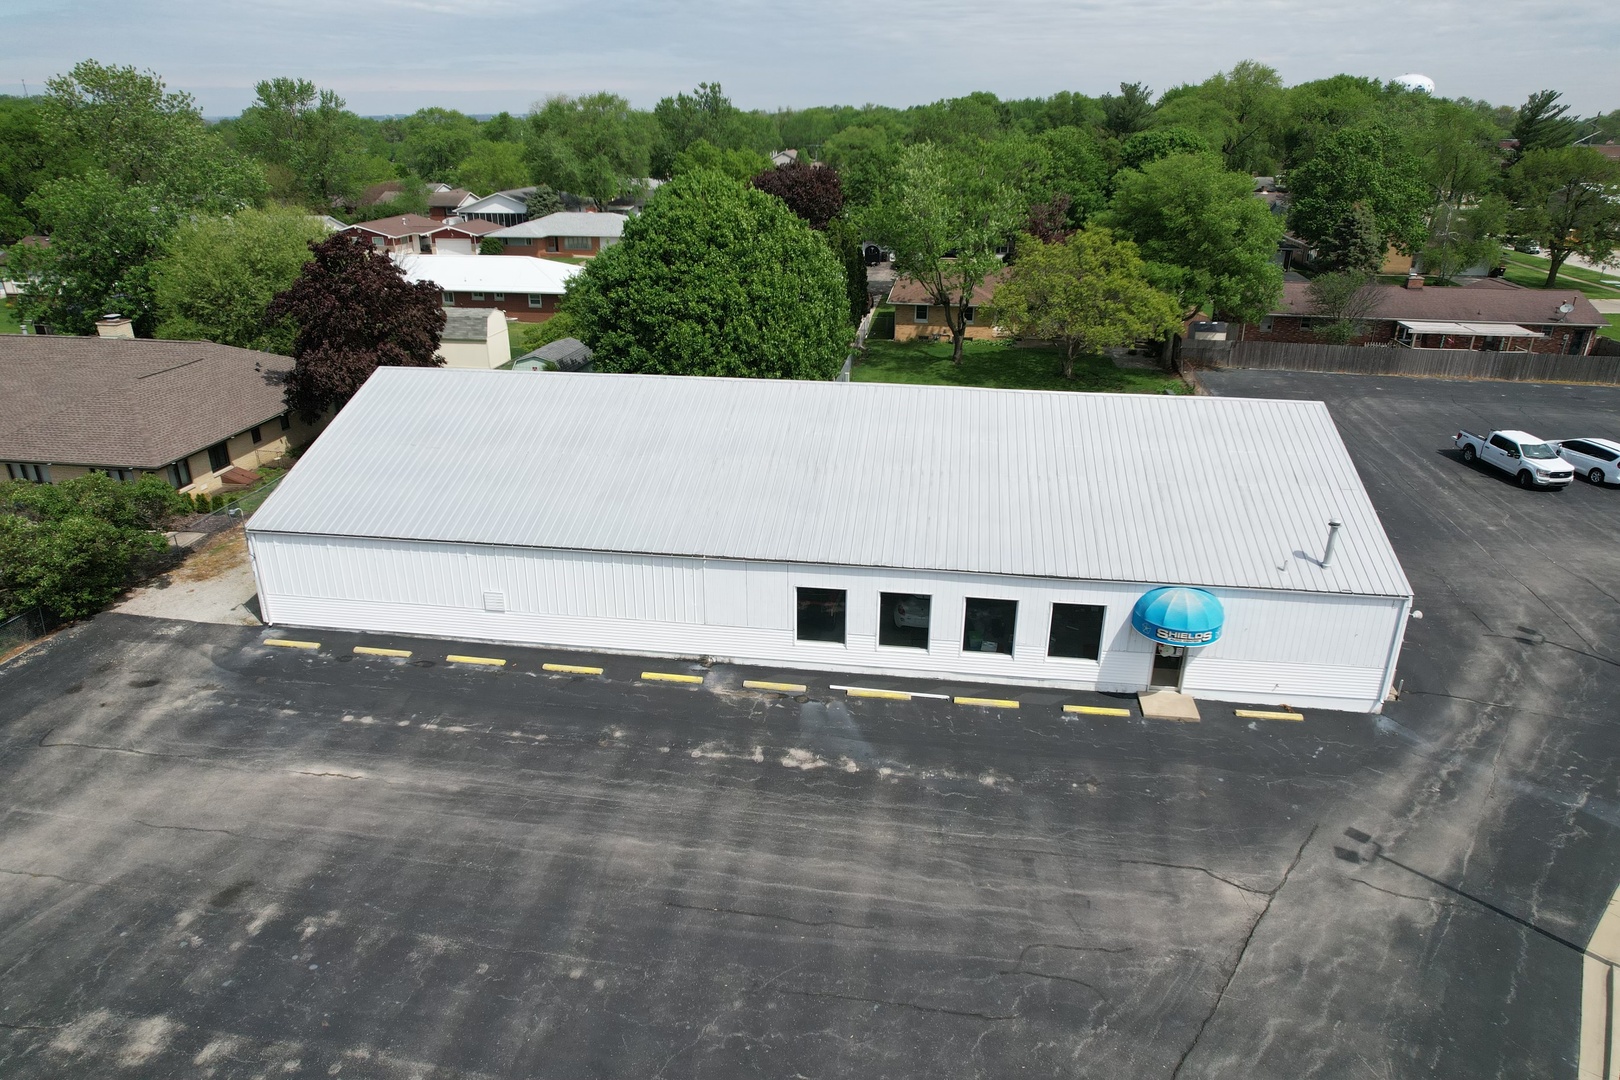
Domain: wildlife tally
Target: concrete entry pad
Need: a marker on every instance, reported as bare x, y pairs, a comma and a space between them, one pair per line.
1168, 705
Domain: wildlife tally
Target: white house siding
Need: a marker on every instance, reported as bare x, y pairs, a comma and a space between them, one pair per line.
1302, 649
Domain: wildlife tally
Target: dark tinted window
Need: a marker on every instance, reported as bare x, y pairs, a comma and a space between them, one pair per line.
219, 457
821, 615
1076, 631
1604, 455
1577, 446
903, 620
1501, 443
987, 625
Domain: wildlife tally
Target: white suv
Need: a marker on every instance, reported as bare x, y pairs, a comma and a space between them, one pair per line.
1596, 459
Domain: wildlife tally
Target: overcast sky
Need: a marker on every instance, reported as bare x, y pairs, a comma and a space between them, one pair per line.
394, 56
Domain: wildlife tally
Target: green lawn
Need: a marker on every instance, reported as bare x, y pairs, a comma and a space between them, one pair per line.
8, 318
1614, 328
1002, 366
1531, 271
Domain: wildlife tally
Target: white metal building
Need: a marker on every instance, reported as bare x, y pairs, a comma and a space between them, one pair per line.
987, 535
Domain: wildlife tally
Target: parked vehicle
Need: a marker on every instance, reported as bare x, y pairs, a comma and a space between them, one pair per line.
1596, 459
1531, 461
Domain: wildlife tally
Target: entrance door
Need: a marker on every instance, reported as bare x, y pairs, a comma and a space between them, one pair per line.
1167, 663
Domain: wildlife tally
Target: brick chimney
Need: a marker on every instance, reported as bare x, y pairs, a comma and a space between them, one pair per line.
115, 325
1414, 281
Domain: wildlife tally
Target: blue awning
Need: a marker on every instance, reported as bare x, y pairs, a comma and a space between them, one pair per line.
1177, 615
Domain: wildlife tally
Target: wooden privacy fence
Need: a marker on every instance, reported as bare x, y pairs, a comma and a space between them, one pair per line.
1434, 363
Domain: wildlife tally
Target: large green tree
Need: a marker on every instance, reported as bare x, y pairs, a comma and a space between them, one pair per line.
1087, 293
1367, 167
714, 278
707, 114
1568, 199
1241, 113
946, 215
1207, 240
306, 139
596, 146
218, 275
492, 166
1542, 124
434, 141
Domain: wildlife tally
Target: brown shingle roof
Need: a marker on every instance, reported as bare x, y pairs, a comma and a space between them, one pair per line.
1526, 307
471, 227
399, 225
910, 291
448, 199
128, 404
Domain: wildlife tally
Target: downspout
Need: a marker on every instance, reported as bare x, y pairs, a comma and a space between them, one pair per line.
1394, 653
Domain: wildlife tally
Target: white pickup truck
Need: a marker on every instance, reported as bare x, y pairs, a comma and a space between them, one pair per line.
1531, 461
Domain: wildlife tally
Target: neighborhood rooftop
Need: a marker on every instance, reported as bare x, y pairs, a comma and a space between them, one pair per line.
1205, 490
128, 403
566, 224
489, 274
1486, 302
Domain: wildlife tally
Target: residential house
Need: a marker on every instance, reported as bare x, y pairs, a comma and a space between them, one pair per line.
396, 235
564, 354
446, 202
200, 415
475, 338
917, 317
1489, 315
461, 237
525, 289
503, 208
583, 234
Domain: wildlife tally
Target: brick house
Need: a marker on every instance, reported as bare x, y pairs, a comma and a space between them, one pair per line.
200, 415
461, 237
916, 316
1489, 315
578, 234
399, 234
527, 290
445, 202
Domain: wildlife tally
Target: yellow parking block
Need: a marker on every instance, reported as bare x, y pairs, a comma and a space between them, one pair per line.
487, 661
1254, 714
285, 644
368, 650
784, 687
890, 695
1096, 710
664, 676
572, 669
988, 702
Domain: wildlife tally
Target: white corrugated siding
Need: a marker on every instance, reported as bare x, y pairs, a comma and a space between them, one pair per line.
1297, 648
1216, 492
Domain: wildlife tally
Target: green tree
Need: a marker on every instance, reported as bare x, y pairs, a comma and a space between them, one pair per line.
29, 157
1207, 240
703, 155
218, 275
1149, 146
1542, 124
1073, 165
1240, 112
104, 236
492, 166
502, 127
1127, 112
70, 547
865, 158
305, 138
1356, 244
705, 114
595, 146
434, 141
1345, 299
1462, 237
1087, 293
714, 278
945, 217
1567, 199
1364, 166
1318, 109
127, 124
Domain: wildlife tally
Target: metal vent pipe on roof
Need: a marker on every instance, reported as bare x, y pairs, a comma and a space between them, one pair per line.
1333, 538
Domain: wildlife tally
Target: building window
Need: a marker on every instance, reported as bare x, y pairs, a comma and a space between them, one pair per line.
219, 457
1076, 631
1306, 325
1267, 323
123, 476
516, 241
969, 312
449, 299
379, 242
987, 625
286, 421
551, 243
919, 313
821, 615
499, 295
179, 473
39, 474
537, 301
903, 620
576, 243
477, 296
424, 244
256, 435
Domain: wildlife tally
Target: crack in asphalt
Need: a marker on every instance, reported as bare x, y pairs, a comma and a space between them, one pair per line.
1242, 950
1201, 870
1405, 896
766, 915
53, 877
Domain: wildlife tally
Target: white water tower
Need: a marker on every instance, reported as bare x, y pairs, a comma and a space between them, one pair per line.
1415, 82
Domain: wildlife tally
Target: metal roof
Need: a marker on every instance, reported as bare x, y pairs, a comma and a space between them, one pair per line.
566, 224
1112, 487
513, 274
1471, 329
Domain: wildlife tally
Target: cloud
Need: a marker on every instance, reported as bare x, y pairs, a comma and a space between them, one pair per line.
485, 55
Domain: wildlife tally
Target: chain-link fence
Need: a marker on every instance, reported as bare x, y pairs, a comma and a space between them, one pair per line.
19, 630
241, 506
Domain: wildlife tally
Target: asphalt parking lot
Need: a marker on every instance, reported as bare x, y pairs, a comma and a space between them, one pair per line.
223, 858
